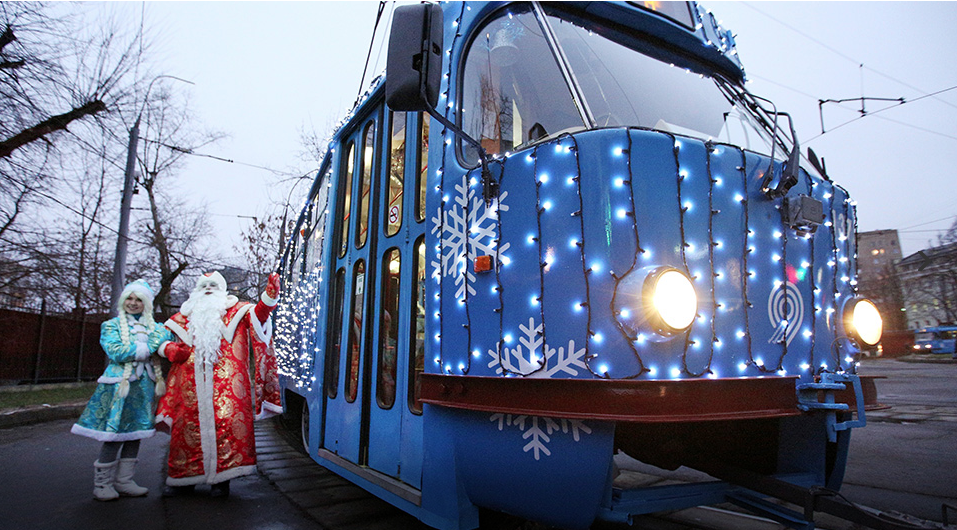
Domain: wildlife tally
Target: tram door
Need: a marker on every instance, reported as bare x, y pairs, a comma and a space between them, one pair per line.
366, 378
347, 346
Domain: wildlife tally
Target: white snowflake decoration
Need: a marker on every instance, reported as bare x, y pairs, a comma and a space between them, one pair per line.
465, 236
525, 359
538, 430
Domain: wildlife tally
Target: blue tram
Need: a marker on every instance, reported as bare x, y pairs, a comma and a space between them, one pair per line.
554, 232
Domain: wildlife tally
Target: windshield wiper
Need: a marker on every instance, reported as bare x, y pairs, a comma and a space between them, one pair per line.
769, 121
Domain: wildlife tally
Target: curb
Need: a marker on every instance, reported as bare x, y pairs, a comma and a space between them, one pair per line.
939, 358
40, 414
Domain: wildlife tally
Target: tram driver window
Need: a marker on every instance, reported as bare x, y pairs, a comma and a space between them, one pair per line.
514, 93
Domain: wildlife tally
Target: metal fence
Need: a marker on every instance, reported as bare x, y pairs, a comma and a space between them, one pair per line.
40, 346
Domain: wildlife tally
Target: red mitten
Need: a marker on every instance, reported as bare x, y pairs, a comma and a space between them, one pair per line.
177, 352
272, 286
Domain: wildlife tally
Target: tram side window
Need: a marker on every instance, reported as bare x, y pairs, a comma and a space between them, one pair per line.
345, 199
393, 212
368, 159
320, 210
388, 329
291, 259
297, 261
335, 335
296, 269
355, 332
423, 166
417, 351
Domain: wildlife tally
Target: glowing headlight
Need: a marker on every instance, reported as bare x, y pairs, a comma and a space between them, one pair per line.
863, 321
670, 299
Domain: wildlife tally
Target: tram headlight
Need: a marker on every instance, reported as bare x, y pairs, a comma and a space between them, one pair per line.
670, 300
863, 321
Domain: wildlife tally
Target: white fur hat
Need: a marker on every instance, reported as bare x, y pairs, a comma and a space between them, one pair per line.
215, 276
142, 290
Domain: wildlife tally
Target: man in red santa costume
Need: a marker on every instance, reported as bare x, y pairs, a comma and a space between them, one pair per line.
211, 400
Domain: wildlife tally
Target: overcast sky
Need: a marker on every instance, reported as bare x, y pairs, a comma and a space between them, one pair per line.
264, 72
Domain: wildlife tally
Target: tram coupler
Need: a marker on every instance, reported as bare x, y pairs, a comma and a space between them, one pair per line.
810, 399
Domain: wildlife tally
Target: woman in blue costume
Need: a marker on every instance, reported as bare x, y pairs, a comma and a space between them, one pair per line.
120, 413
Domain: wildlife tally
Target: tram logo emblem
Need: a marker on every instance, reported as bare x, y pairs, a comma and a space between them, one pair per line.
786, 313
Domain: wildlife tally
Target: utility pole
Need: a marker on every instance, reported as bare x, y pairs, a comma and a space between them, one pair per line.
122, 237
119, 265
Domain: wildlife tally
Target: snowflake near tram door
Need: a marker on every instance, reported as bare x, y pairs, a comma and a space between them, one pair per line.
525, 358
539, 430
466, 229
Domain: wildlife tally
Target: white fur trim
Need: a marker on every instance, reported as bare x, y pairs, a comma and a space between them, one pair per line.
269, 410
103, 436
109, 380
215, 478
161, 351
271, 302
215, 276
206, 414
142, 351
179, 331
263, 330
165, 420
230, 330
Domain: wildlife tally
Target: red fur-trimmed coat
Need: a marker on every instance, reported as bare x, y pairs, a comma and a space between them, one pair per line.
209, 412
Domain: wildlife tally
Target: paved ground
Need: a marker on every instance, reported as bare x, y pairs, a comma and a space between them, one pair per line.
294, 493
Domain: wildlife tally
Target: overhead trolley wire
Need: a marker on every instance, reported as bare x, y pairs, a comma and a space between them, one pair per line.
845, 56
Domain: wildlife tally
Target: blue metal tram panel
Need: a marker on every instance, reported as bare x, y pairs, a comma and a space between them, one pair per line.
728, 230
563, 287
548, 469
654, 182
520, 273
693, 192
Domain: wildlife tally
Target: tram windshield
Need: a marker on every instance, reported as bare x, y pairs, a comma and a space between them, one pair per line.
516, 93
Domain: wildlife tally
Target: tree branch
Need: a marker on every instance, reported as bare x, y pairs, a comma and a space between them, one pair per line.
7, 37
50, 125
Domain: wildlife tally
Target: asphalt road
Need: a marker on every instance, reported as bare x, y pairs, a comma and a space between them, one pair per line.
905, 460
47, 483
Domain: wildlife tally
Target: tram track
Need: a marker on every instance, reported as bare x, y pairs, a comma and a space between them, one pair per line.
337, 504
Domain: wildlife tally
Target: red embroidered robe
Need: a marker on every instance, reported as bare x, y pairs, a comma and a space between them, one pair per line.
209, 412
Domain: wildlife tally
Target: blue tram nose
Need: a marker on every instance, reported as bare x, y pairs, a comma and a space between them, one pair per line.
580, 222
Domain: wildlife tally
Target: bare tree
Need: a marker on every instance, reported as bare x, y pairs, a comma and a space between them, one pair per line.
55, 69
176, 231
64, 81
259, 250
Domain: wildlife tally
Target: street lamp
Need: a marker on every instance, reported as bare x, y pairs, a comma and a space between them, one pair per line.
122, 238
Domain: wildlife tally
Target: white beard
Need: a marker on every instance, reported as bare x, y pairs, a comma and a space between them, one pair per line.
205, 312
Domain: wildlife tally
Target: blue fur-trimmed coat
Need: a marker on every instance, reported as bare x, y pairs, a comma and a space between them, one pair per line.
123, 404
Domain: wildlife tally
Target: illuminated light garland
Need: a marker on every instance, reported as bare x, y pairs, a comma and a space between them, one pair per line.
439, 189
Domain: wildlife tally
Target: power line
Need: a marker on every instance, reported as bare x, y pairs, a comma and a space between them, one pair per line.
888, 119
188, 151
86, 216
928, 222
843, 55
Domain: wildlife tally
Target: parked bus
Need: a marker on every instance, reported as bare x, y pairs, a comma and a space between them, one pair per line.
559, 231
